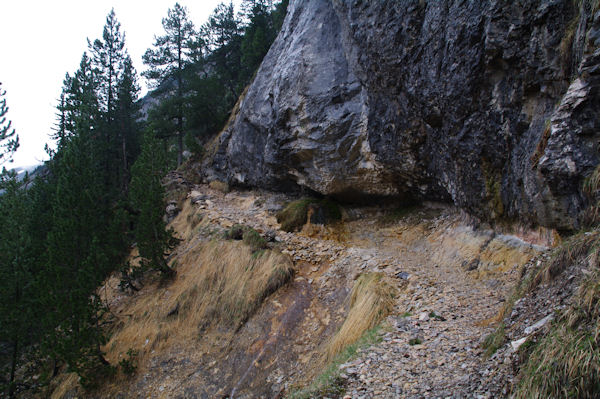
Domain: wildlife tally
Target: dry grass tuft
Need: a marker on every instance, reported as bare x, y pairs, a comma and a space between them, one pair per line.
68, 384
371, 300
186, 221
495, 340
294, 215
566, 363
569, 252
217, 283
219, 186
591, 187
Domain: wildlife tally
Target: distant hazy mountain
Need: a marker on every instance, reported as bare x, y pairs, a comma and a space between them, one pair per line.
31, 169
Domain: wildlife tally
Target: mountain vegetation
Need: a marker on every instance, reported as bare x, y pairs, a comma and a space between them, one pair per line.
64, 232
9, 142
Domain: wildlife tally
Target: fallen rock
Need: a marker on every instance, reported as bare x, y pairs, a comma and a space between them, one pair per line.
517, 344
539, 324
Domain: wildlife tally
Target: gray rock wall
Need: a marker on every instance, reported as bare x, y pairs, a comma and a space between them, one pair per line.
493, 105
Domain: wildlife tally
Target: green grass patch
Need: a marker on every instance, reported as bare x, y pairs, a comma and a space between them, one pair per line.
564, 364
435, 316
254, 240
495, 340
236, 232
329, 382
248, 235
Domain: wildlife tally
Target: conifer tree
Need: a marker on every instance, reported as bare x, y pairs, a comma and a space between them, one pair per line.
16, 269
81, 250
168, 59
126, 120
77, 262
147, 196
223, 32
263, 22
109, 56
9, 141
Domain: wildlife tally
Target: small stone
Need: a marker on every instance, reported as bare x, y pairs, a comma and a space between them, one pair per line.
403, 275
423, 316
539, 324
517, 344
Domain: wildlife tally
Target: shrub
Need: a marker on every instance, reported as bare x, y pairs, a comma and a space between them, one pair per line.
254, 240
129, 364
236, 232
296, 213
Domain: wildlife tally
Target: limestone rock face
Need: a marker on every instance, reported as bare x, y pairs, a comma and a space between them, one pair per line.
493, 105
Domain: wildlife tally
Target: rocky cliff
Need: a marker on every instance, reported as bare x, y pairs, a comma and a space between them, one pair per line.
492, 105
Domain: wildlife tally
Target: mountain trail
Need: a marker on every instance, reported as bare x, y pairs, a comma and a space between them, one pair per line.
452, 281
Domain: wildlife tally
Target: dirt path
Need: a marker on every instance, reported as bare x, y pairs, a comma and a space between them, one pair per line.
452, 280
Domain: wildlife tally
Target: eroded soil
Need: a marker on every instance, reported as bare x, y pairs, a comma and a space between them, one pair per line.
451, 279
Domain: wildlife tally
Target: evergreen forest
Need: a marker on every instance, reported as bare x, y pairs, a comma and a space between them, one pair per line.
73, 224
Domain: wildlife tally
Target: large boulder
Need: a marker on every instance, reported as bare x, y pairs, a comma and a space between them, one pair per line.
492, 105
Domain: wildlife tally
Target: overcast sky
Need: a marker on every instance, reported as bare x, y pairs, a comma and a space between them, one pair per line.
42, 40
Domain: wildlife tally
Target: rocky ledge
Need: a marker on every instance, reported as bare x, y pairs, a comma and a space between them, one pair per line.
491, 105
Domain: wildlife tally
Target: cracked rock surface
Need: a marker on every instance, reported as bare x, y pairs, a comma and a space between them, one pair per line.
491, 105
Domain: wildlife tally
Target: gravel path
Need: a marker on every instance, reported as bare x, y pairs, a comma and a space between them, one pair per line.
433, 345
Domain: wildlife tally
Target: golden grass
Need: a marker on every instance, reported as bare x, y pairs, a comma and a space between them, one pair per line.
591, 188
186, 221
563, 256
217, 283
337, 231
591, 185
219, 186
68, 382
297, 213
569, 252
566, 362
371, 300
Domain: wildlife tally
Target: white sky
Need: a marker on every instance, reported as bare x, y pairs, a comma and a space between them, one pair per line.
42, 40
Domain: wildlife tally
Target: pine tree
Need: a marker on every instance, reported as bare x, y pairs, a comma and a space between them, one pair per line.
16, 269
263, 21
77, 262
109, 56
147, 196
126, 120
171, 54
82, 248
9, 141
223, 33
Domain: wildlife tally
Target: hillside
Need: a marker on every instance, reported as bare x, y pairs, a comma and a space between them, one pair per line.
216, 332
404, 202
